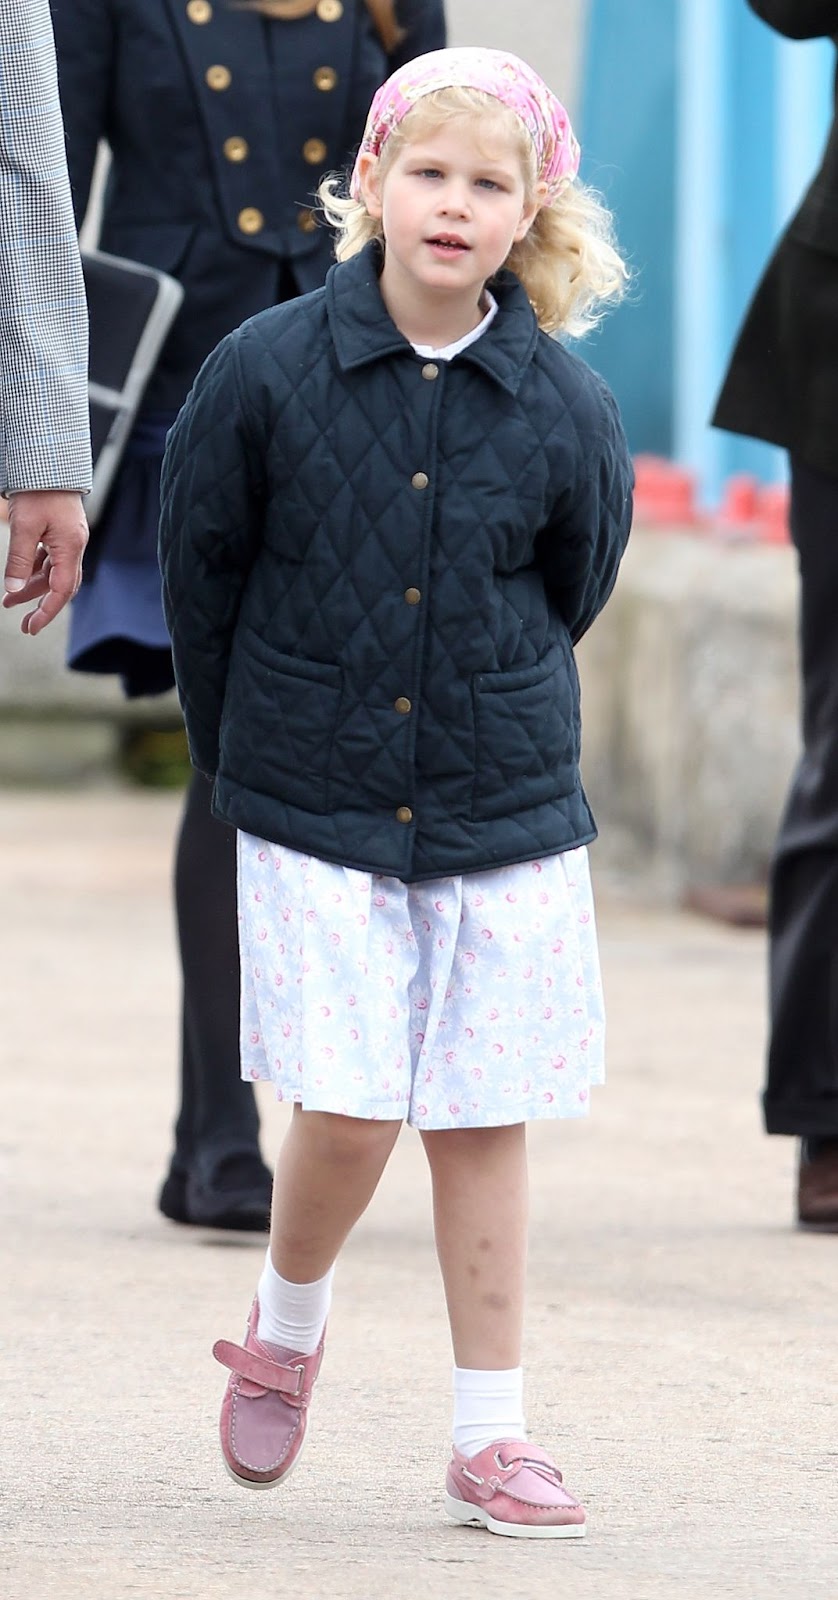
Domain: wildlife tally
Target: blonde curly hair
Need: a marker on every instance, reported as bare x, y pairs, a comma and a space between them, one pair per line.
568, 262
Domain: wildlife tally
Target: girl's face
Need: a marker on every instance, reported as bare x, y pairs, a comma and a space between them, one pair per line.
451, 205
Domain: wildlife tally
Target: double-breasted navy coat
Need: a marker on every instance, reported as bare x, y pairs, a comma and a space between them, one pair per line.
220, 124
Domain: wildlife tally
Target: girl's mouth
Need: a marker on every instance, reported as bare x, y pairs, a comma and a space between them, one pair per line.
449, 242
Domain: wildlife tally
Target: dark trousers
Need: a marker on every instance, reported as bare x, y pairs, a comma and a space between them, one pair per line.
801, 1093
218, 1115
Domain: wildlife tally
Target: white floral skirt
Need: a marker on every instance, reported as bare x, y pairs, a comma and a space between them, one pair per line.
472, 1001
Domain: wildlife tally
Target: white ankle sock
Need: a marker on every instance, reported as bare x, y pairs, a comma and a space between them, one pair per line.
292, 1314
487, 1406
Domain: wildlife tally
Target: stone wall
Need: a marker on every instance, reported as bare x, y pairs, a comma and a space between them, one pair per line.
690, 706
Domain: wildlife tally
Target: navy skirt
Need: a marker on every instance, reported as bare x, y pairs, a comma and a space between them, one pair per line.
116, 619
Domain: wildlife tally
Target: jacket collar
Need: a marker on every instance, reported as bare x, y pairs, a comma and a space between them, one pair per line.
363, 331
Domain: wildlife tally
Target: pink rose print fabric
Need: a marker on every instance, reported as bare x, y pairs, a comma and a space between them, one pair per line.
462, 1002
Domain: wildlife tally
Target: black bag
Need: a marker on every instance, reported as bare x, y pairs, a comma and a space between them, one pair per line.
131, 309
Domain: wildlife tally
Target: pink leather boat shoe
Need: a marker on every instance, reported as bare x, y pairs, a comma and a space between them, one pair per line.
265, 1408
513, 1488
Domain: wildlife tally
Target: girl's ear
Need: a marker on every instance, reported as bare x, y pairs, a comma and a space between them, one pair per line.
369, 178
530, 212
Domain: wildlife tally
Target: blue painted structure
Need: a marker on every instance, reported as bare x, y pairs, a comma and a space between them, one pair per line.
701, 127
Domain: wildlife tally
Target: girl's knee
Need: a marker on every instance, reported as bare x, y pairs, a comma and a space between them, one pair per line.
471, 1144
348, 1140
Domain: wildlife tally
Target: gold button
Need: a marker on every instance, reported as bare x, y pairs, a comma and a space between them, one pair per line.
404, 814
250, 220
420, 480
219, 77
413, 596
329, 10
199, 11
402, 705
325, 79
430, 370
306, 221
236, 149
314, 151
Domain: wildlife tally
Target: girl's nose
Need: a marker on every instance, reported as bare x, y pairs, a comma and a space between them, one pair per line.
455, 201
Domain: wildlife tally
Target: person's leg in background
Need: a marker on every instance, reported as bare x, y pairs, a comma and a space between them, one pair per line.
801, 1093
217, 1176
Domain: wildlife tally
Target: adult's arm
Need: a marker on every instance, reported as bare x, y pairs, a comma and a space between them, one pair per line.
799, 19
44, 428
423, 24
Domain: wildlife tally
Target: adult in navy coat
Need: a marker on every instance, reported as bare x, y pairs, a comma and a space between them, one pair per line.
782, 385
221, 117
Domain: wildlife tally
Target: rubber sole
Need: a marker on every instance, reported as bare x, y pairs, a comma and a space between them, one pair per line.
273, 1483
475, 1517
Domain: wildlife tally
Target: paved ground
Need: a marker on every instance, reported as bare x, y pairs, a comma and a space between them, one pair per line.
681, 1339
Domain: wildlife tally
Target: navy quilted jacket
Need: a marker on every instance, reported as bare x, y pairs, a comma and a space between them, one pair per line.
375, 567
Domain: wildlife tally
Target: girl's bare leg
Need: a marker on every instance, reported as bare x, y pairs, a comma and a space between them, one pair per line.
327, 1173
480, 1191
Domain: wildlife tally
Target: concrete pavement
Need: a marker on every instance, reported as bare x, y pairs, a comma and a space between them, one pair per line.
681, 1340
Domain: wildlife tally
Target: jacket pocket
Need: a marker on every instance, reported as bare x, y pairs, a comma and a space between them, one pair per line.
163, 245
526, 735
279, 722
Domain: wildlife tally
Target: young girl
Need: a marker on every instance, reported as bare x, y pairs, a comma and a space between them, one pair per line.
390, 508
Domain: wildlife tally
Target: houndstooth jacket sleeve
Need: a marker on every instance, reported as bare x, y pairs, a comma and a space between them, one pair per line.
44, 430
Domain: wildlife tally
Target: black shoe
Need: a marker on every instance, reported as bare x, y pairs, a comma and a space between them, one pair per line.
817, 1185
237, 1196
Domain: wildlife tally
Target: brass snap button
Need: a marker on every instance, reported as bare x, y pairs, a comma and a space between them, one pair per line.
236, 149
199, 11
250, 220
402, 705
219, 77
329, 10
325, 79
413, 596
430, 371
404, 814
420, 480
306, 221
314, 151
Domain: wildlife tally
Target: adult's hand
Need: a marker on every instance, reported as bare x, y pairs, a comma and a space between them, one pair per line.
47, 536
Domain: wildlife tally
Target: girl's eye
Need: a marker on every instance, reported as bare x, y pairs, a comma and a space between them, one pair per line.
428, 172
487, 183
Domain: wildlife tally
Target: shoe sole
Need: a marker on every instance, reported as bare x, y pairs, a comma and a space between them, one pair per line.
474, 1517
272, 1483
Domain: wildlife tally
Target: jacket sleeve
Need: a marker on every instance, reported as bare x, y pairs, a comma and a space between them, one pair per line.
84, 46
212, 498
423, 22
580, 549
45, 442
799, 19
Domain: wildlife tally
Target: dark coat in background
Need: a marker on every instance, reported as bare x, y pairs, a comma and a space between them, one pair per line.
374, 570
220, 124
782, 386
782, 381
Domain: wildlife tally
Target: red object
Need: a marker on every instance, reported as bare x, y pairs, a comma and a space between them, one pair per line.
664, 493
774, 514
665, 497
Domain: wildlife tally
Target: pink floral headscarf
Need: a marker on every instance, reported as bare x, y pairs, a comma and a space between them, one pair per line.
506, 78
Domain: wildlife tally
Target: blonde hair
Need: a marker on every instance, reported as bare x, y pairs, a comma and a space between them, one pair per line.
567, 262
